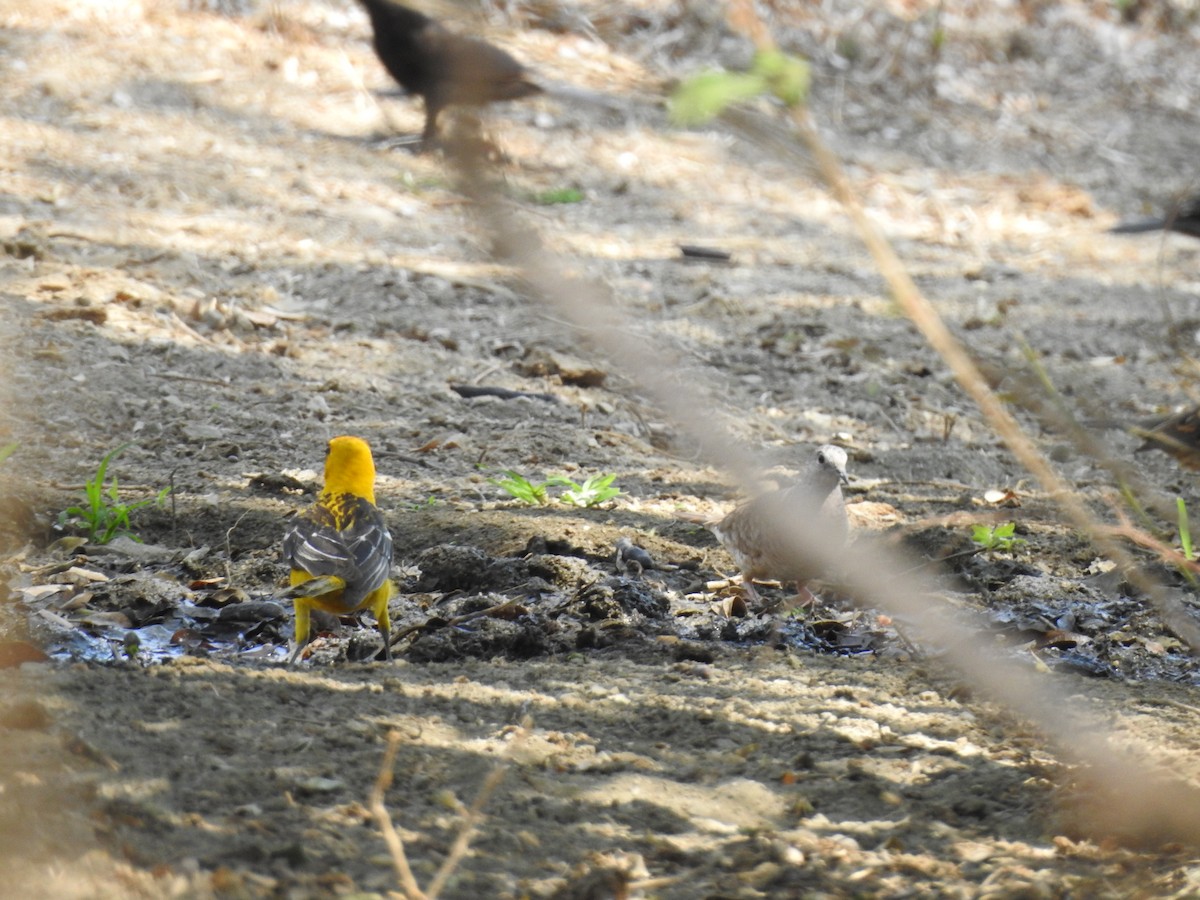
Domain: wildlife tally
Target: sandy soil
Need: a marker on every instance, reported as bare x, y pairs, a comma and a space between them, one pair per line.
206, 251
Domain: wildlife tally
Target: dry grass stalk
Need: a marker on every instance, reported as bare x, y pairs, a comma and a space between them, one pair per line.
391, 837
1142, 538
472, 817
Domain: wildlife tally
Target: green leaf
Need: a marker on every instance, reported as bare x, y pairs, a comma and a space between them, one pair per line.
1185, 531
704, 96
105, 517
999, 537
787, 77
521, 488
595, 490
558, 196
8, 450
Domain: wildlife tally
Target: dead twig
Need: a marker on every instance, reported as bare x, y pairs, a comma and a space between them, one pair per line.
408, 883
469, 391
192, 379
228, 533
435, 622
1140, 538
472, 817
932, 563
1167, 701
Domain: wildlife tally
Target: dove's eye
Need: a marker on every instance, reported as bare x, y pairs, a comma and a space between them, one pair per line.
821, 459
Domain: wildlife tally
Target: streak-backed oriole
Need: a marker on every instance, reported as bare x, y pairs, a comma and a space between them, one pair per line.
341, 545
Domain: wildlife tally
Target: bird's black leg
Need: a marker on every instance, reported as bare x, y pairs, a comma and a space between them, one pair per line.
429, 135
386, 633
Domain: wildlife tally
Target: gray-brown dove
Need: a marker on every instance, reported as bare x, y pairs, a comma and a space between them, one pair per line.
767, 536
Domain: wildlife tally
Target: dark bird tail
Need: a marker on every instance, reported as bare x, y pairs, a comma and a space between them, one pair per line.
1139, 227
1182, 217
582, 96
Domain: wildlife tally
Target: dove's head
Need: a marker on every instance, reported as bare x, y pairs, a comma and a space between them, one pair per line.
830, 466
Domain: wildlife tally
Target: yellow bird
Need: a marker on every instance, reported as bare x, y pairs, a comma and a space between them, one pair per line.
340, 549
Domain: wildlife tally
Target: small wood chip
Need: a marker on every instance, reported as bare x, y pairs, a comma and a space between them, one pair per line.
97, 315
468, 391
712, 254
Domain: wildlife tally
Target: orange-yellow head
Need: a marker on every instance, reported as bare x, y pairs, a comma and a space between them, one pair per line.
349, 468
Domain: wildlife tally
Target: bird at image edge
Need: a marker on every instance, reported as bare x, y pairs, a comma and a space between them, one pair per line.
339, 550
445, 68
1183, 218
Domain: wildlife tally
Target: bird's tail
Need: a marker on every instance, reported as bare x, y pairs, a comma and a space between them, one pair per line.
1138, 227
580, 95
315, 587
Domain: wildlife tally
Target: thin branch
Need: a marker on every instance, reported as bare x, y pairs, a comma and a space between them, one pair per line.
435, 622
228, 534
474, 816
408, 884
1168, 555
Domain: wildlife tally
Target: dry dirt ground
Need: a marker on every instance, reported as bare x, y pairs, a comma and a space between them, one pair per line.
207, 251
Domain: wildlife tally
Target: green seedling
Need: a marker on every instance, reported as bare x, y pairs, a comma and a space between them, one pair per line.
559, 196
1185, 530
8, 450
937, 40
996, 537
104, 516
522, 488
595, 490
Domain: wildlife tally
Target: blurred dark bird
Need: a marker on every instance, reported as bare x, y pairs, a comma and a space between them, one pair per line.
1184, 218
444, 68
1178, 435
757, 536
